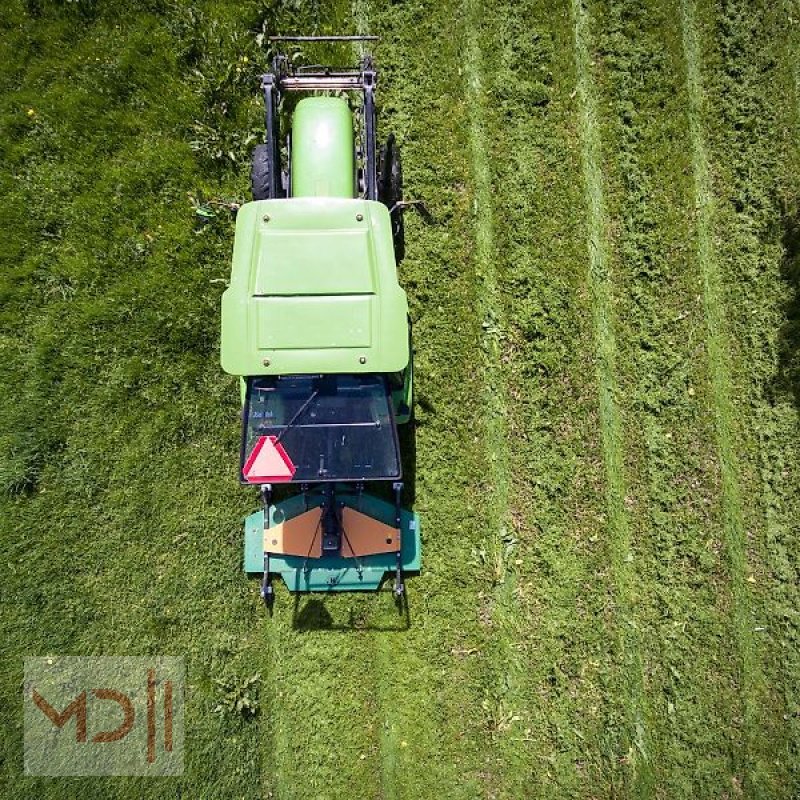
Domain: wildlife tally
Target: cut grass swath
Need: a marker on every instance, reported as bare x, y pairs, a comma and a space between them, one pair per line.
600, 287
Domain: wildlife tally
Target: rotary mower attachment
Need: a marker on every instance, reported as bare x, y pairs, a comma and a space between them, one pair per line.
336, 538
316, 325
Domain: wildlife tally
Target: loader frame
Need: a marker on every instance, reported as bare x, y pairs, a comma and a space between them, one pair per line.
288, 77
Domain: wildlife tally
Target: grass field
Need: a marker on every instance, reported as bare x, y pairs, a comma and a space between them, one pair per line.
607, 328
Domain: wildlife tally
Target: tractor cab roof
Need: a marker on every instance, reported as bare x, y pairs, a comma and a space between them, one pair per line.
314, 290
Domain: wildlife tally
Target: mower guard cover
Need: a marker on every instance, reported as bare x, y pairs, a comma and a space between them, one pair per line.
304, 573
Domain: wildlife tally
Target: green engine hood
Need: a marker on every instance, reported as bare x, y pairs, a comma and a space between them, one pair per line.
314, 290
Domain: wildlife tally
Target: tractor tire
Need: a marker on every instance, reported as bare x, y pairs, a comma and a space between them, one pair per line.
259, 173
390, 191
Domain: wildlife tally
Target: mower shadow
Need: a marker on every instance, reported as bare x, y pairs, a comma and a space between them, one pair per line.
314, 616
407, 434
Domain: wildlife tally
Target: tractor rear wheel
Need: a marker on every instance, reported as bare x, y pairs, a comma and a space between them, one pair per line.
390, 192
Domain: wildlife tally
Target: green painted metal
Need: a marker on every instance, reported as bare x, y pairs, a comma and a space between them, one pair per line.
314, 290
323, 150
403, 396
332, 574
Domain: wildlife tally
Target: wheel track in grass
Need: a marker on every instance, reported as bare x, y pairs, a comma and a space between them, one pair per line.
506, 688
600, 287
490, 313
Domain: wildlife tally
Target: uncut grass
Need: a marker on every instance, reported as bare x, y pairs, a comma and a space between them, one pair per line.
754, 155
680, 581
120, 526
155, 499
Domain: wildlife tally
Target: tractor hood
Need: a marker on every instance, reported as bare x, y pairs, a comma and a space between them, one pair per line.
314, 290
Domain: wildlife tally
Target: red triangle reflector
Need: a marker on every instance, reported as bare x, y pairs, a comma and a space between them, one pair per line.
268, 462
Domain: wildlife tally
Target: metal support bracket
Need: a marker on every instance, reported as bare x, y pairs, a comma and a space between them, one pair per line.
418, 206
267, 590
399, 586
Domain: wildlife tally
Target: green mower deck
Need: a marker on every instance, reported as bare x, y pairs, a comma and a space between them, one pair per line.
332, 574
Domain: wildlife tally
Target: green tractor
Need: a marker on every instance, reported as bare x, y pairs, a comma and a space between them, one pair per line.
316, 325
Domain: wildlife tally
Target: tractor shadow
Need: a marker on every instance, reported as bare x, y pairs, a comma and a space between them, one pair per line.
788, 377
407, 434
313, 615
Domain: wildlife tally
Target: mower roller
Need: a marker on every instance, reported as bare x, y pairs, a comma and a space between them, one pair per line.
316, 325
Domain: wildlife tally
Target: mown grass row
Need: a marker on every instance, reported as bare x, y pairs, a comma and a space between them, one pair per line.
554, 596
669, 401
754, 152
420, 732
665, 397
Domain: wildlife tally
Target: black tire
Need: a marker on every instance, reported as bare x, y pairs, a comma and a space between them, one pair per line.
259, 173
390, 191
